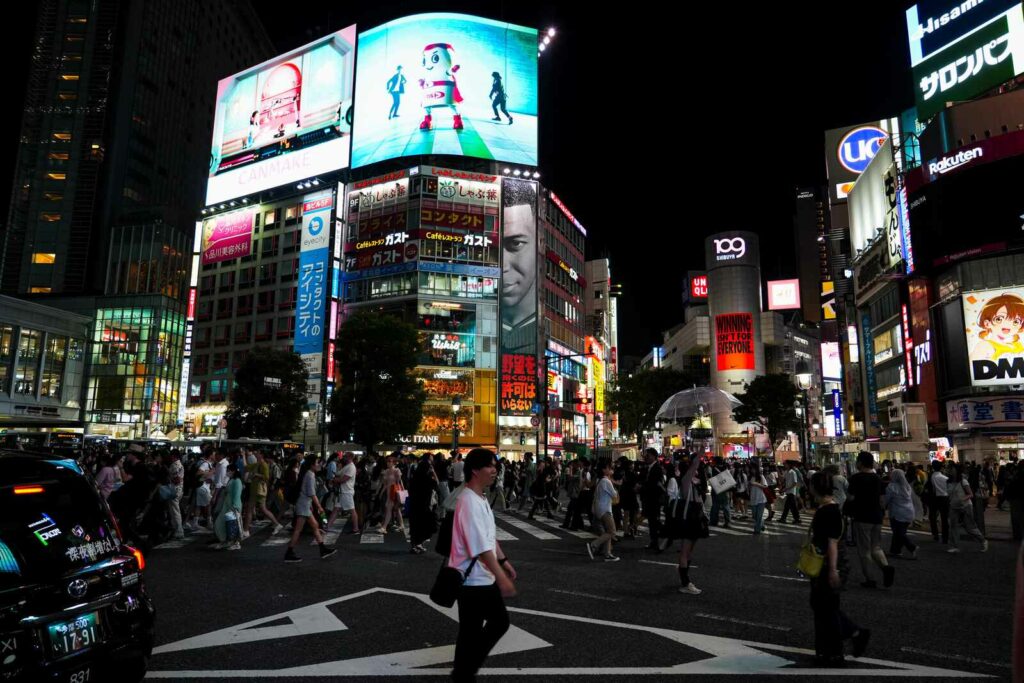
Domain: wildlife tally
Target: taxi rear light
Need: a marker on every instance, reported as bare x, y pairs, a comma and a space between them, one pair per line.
137, 554
24, 490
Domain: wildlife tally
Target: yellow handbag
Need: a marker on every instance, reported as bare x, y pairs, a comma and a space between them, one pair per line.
811, 561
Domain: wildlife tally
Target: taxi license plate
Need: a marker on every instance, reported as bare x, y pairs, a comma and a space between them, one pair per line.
82, 632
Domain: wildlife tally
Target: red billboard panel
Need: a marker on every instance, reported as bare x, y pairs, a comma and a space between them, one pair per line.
734, 341
518, 383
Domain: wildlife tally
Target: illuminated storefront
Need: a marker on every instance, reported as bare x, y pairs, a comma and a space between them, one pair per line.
135, 364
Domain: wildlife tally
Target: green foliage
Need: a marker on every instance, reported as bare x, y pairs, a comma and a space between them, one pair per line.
377, 399
265, 410
636, 398
769, 401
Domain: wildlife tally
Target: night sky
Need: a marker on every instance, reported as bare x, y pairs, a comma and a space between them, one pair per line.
659, 128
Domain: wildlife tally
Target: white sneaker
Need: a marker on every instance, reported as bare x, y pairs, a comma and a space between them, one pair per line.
245, 535
953, 550
235, 546
610, 558
984, 545
277, 529
690, 589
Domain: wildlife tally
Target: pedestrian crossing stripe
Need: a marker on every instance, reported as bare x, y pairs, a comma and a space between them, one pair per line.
503, 535
536, 532
555, 525
330, 538
369, 537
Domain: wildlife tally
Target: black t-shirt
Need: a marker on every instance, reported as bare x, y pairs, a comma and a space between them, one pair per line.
827, 524
866, 490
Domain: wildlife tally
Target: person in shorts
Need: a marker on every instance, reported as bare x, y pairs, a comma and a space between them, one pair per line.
259, 481
345, 500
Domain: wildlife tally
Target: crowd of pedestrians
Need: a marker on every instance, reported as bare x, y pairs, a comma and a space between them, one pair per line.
163, 495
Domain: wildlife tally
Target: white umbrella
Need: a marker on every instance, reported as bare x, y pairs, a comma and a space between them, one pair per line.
687, 403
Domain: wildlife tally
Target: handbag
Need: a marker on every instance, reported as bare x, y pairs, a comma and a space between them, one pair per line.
402, 495
722, 482
448, 584
811, 561
168, 492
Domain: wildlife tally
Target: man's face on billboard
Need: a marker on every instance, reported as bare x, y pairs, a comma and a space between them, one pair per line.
519, 262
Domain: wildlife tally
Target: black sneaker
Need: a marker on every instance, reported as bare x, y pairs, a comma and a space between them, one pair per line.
290, 556
326, 552
860, 641
888, 576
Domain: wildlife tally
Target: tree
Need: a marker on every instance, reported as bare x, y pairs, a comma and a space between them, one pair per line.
769, 402
269, 395
636, 398
377, 398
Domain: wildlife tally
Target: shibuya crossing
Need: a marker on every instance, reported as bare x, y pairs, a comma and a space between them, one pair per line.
390, 340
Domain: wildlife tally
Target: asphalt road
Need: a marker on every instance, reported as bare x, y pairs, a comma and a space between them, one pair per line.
363, 613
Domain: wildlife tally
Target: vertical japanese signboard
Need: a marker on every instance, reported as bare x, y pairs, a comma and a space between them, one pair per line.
518, 383
311, 299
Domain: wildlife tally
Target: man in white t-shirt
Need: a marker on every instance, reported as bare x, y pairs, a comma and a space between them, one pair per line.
220, 478
475, 552
458, 471
938, 504
345, 501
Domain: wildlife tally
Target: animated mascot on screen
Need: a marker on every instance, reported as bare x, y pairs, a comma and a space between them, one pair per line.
438, 84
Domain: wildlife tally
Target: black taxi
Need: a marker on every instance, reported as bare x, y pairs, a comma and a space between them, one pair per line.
73, 604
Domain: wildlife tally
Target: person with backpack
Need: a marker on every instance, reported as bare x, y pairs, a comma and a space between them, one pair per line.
302, 494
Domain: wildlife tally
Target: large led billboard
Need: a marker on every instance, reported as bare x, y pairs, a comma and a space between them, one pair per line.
848, 151
783, 295
446, 84
518, 299
976, 61
734, 340
284, 120
994, 321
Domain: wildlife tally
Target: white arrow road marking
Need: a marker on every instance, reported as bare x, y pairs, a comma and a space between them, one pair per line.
304, 621
726, 656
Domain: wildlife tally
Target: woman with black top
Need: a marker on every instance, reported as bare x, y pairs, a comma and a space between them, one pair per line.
422, 522
831, 625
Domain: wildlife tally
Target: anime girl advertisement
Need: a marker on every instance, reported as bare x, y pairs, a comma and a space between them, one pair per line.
994, 320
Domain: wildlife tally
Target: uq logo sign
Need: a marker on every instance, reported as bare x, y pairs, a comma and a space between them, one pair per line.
859, 147
730, 248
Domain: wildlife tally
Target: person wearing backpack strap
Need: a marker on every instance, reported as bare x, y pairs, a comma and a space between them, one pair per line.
489, 576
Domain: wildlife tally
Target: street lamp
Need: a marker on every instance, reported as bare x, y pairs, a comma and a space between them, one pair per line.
305, 420
803, 379
456, 407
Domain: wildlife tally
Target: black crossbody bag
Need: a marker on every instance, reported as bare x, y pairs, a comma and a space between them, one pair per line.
448, 584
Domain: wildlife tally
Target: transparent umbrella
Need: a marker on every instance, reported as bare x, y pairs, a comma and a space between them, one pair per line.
688, 403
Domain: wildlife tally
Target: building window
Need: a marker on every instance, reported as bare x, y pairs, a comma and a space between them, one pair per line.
243, 332
202, 363
63, 136
206, 284
205, 310
218, 389
245, 304
59, 156
223, 335
56, 176
225, 308
6, 356
268, 273
29, 348
246, 277
285, 327
220, 362
265, 302
39, 290
227, 281
69, 77
264, 329
53, 366
53, 196
269, 218
43, 257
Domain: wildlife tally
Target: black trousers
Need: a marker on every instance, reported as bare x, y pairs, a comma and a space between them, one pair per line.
652, 511
831, 625
790, 506
482, 622
938, 506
